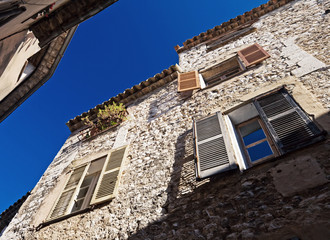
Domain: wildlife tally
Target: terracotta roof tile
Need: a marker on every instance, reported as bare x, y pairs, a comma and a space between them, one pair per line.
232, 24
130, 94
7, 215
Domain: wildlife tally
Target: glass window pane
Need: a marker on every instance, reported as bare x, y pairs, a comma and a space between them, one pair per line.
82, 192
87, 181
75, 177
259, 151
252, 132
77, 205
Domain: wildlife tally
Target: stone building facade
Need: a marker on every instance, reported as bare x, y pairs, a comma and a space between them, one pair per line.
33, 39
163, 187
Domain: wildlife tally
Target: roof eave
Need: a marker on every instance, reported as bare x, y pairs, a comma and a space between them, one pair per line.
129, 95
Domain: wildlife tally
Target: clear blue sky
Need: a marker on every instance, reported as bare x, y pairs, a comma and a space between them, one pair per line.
116, 49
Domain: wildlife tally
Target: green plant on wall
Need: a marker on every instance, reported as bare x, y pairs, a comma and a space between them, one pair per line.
112, 112
111, 115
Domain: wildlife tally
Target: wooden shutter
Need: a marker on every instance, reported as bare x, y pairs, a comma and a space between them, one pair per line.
188, 81
290, 127
212, 148
65, 202
253, 54
107, 185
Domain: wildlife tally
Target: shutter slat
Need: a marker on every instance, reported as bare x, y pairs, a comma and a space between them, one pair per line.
208, 128
116, 159
107, 185
213, 155
75, 177
276, 108
72, 186
288, 124
249, 50
188, 75
188, 81
253, 54
62, 204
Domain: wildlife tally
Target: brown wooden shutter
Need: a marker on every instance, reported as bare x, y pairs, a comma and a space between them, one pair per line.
107, 185
253, 54
289, 125
64, 203
188, 81
213, 150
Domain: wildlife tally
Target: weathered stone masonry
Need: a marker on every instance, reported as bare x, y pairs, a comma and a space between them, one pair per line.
159, 197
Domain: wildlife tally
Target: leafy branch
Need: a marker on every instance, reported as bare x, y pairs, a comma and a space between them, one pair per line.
111, 115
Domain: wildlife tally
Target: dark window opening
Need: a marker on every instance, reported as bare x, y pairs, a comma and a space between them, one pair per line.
221, 72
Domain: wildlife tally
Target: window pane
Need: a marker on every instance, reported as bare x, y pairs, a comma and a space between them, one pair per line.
82, 192
252, 132
75, 177
87, 181
259, 151
77, 205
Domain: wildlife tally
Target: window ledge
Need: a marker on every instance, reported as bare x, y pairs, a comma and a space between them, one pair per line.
59, 219
55, 220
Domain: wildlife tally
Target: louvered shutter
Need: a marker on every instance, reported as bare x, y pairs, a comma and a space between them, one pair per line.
107, 185
188, 81
290, 127
253, 54
212, 148
64, 203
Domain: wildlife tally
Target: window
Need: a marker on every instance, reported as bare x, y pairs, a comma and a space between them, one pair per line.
269, 126
26, 71
90, 184
255, 140
221, 72
229, 68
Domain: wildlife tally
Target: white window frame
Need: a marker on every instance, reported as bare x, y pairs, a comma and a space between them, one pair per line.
301, 130
236, 142
90, 197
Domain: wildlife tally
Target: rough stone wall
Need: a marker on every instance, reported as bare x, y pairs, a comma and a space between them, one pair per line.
305, 21
159, 197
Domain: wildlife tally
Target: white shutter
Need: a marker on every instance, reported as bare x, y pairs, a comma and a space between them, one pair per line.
65, 202
213, 150
288, 124
108, 182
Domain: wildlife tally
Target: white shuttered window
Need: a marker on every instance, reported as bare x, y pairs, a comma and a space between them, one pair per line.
269, 126
92, 183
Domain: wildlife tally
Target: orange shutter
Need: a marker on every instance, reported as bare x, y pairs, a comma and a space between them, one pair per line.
253, 54
188, 81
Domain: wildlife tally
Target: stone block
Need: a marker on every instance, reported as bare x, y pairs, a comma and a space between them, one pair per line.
298, 175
